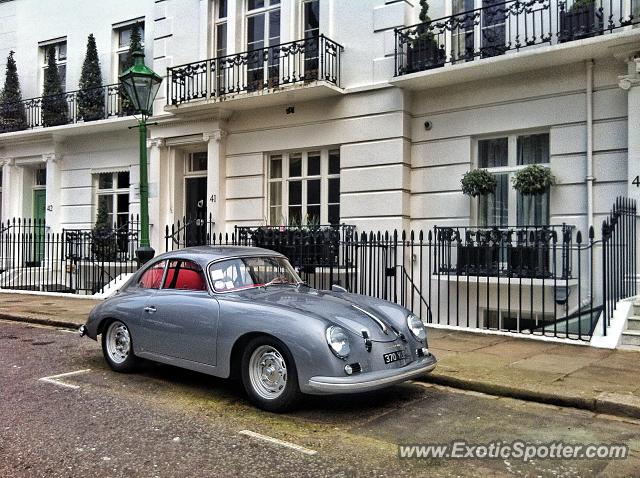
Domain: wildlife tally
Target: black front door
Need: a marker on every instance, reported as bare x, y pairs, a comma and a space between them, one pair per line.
196, 211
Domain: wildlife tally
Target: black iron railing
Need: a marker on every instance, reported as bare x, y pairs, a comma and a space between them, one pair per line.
619, 259
190, 231
301, 61
505, 26
517, 251
79, 106
81, 261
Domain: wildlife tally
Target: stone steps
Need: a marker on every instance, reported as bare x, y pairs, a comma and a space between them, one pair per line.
631, 339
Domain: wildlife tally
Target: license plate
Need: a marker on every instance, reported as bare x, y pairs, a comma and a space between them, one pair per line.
393, 356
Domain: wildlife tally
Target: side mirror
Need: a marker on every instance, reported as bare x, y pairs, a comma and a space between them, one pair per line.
338, 288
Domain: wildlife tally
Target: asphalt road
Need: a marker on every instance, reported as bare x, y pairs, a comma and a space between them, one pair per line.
165, 422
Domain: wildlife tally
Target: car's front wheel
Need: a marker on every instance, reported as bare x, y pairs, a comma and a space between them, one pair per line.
269, 375
117, 347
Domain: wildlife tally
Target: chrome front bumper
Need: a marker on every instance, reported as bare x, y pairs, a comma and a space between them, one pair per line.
371, 380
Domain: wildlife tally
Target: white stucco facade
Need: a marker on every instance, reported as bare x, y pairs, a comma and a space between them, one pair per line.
394, 172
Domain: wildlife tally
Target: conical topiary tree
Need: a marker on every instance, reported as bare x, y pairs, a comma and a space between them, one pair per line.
135, 44
91, 95
12, 112
104, 242
54, 102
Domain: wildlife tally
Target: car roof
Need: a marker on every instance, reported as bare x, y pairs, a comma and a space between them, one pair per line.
206, 254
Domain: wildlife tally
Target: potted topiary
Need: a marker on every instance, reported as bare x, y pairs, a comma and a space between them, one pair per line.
580, 20
478, 182
474, 257
533, 180
529, 257
104, 243
423, 50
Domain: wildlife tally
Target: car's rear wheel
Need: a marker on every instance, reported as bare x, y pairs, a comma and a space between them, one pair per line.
117, 347
269, 375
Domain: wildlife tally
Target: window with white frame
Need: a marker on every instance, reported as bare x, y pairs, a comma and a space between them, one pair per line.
60, 54
113, 194
220, 28
123, 41
503, 156
263, 31
304, 187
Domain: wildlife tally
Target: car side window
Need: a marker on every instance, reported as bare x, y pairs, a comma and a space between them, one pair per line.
184, 275
152, 277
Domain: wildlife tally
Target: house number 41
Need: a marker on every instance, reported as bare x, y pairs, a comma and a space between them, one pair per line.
213, 197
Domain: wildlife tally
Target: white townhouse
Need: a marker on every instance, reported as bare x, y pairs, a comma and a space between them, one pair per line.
357, 112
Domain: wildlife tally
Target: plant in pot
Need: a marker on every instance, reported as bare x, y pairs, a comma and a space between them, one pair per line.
580, 19
530, 256
104, 243
423, 50
476, 258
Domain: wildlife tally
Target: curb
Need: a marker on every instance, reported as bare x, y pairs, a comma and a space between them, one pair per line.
609, 407
39, 321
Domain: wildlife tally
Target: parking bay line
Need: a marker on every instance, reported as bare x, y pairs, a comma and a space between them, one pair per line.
54, 379
275, 441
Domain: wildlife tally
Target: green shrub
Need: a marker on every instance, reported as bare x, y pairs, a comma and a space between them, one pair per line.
478, 182
533, 179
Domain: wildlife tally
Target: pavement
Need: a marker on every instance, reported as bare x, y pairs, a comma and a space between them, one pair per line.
65, 413
578, 376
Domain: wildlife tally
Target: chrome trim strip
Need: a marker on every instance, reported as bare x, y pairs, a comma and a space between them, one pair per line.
381, 324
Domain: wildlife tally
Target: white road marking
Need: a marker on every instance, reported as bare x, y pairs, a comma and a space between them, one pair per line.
54, 379
275, 441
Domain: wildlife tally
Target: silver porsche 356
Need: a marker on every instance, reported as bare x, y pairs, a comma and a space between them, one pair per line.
245, 312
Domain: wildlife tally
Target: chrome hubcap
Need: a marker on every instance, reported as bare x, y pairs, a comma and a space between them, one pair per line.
118, 342
268, 372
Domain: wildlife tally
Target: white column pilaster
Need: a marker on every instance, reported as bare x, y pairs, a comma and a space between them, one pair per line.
7, 166
155, 148
216, 178
53, 191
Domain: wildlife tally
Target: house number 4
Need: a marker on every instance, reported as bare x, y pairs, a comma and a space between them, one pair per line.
636, 181
50, 208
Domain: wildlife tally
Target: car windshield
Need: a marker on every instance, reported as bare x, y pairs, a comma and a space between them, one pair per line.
249, 272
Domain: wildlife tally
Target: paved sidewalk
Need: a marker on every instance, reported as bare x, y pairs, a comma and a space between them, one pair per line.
605, 381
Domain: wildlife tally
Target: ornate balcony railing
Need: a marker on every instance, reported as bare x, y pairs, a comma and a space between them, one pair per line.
505, 26
301, 61
66, 108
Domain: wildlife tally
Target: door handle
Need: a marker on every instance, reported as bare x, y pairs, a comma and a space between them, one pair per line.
150, 309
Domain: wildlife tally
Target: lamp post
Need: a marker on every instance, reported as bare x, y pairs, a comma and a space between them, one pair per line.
141, 85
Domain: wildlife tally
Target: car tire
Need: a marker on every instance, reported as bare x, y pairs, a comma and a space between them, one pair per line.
117, 347
269, 375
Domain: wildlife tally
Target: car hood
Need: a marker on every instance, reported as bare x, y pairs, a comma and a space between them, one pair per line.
355, 313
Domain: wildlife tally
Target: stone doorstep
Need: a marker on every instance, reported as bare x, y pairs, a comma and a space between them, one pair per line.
633, 322
631, 337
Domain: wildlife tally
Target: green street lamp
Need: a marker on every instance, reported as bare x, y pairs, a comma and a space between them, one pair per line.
141, 85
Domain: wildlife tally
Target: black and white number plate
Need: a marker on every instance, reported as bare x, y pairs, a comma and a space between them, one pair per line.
393, 356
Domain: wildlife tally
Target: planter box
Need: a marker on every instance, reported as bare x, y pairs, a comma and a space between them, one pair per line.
529, 261
579, 23
478, 260
305, 248
424, 54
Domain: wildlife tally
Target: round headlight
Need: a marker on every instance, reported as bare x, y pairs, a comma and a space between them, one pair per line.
338, 341
416, 327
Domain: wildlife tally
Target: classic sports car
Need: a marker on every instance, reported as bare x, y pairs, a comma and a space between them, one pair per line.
243, 311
